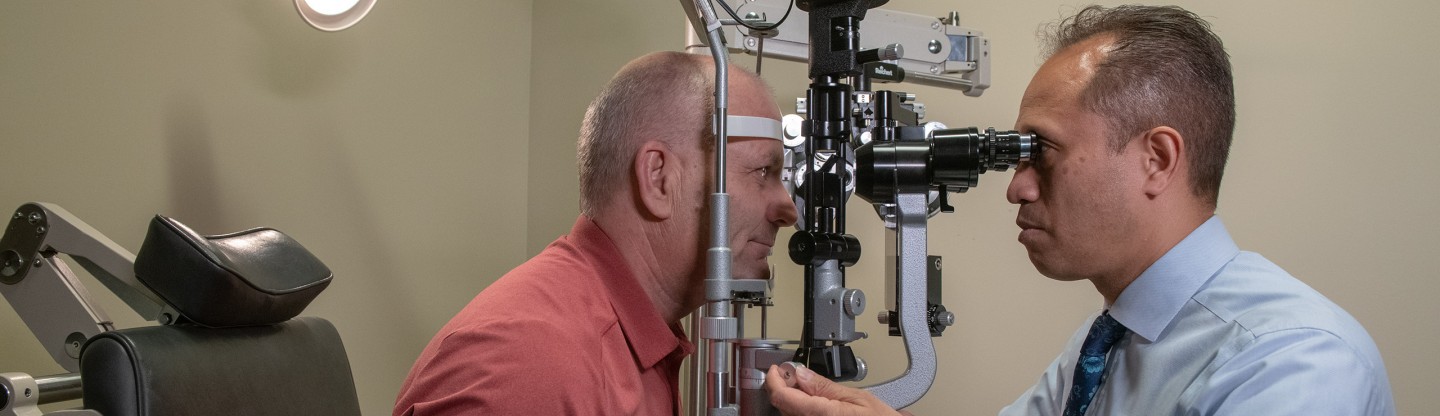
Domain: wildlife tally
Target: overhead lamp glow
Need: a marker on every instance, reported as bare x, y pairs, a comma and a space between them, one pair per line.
333, 15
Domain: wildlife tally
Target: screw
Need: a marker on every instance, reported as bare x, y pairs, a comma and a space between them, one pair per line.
935, 25
937, 264
934, 69
934, 46
38, 263
73, 343
12, 259
18, 215
40, 230
751, 42
34, 217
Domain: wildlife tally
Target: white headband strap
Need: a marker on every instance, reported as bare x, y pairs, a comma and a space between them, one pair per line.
747, 126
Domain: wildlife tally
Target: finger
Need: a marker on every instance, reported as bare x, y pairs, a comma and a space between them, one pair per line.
791, 401
815, 385
778, 378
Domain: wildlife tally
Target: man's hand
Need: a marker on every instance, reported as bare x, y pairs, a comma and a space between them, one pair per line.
802, 392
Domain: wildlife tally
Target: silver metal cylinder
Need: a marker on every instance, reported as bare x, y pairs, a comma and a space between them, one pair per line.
716, 390
755, 358
756, 402
695, 395
59, 388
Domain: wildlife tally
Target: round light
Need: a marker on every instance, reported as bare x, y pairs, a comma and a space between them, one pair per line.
333, 15
331, 7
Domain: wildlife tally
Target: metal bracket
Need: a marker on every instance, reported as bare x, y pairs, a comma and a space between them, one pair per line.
48, 296
19, 395
730, 289
910, 270
22, 395
939, 52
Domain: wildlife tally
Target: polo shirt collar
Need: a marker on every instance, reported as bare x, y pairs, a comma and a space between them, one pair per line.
1152, 301
651, 339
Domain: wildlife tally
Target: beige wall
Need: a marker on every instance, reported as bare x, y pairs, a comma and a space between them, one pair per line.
394, 151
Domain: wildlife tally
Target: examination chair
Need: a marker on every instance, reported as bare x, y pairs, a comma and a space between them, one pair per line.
229, 342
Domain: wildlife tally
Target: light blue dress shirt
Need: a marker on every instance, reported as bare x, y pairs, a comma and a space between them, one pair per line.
1219, 331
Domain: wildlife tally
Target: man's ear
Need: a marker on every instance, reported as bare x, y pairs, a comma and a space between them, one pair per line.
657, 176
1164, 153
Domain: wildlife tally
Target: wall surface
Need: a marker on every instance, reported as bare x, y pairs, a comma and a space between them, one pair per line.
429, 149
390, 149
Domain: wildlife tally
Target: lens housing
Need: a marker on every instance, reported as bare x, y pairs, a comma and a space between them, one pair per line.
920, 159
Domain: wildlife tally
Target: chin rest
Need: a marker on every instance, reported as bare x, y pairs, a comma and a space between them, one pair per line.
236, 350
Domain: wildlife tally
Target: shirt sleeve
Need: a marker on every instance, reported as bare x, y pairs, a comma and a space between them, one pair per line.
1045, 397
506, 367
1294, 372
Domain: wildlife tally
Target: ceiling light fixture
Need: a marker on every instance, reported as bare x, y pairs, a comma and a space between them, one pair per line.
333, 15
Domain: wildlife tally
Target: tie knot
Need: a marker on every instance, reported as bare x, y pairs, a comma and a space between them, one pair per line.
1103, 335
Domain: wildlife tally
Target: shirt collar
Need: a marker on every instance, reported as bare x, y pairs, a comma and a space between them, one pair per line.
651, 339
1151, 302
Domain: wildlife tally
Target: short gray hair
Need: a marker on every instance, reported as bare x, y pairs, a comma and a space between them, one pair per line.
664, 96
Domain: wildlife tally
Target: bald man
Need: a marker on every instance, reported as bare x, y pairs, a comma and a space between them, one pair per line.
591, 324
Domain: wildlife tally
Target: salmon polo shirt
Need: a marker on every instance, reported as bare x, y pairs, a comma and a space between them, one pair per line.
569, 332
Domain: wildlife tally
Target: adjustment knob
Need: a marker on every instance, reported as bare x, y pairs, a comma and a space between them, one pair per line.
854, 301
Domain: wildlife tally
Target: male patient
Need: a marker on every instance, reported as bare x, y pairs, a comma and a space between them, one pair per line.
1136, 107
590, 325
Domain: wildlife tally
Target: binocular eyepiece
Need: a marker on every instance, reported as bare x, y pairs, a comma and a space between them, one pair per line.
922, 158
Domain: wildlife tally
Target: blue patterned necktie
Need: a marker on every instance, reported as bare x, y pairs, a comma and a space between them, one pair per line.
1090, 369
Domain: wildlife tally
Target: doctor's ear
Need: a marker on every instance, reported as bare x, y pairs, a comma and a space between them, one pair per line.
1164, 153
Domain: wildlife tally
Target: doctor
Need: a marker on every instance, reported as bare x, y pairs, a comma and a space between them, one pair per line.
1136, 107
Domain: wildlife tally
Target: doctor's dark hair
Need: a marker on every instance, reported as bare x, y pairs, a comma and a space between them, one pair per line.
1165, 67
661, 96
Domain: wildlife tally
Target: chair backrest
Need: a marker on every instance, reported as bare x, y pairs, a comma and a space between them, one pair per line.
297, 367
236, 349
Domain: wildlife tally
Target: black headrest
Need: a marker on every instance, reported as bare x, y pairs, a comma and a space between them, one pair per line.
254, 277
